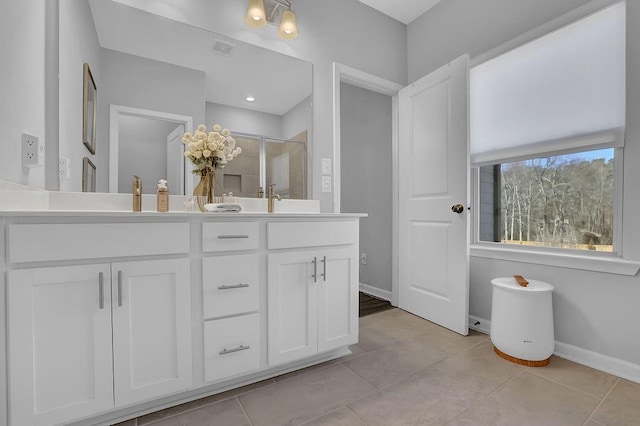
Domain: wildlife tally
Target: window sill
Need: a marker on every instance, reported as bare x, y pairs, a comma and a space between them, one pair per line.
610, 265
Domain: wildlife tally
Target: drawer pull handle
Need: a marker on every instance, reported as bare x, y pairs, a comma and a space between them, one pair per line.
324, 268
315, 269
227, 287
231, 237
238, 349
101, 289
119, 288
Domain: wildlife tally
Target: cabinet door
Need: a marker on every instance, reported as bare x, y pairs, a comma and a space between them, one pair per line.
59, 343
337, 298
292, 307
151, 329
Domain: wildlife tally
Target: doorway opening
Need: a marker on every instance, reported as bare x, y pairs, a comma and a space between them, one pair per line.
135, 129
376, 189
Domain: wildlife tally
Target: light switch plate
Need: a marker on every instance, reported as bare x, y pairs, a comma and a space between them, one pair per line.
326, 183
326, 166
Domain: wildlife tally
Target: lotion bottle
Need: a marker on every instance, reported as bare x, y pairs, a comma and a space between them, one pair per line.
163, 196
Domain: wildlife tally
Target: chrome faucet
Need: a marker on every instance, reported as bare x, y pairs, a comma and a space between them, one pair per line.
272, 197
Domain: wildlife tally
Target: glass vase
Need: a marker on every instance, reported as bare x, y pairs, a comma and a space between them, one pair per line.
204, 190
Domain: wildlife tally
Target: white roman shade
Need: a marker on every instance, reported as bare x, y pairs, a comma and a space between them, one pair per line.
556, 93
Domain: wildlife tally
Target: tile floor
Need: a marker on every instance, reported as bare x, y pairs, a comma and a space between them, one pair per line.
408, 371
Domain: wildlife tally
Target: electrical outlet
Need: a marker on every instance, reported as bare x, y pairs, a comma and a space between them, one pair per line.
363, 258
32, 151
326, 183
326, 166
64, 168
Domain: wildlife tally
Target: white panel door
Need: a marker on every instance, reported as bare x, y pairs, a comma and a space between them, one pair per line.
292, 306
59, 344
434, 176
175, 161
151, 329
337, 285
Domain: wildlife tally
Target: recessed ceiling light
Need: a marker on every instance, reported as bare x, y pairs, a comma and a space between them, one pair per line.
250, 99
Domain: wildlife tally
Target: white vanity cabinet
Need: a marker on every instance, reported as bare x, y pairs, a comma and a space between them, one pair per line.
60, 347
83, 339
111, 317
151, 308
87, 338
230, 299
312, 293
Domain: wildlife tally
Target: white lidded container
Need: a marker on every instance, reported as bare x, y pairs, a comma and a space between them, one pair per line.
522, 321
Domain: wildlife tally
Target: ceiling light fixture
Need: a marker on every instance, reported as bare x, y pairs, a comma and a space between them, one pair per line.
250, 99
256, 17
260, 12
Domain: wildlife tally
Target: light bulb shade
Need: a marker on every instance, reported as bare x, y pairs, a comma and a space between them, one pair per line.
288, 29
255, 14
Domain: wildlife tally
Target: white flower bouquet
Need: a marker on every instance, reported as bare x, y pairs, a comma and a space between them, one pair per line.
209, 151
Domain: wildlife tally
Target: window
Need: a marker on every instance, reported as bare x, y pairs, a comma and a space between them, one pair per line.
547, 131
560, 201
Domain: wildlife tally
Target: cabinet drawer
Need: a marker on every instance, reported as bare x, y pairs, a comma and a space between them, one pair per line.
47, 242
229, 285
311, 234
224, 236
231, 347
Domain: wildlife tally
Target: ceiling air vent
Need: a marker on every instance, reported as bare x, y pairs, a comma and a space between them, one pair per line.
223, 48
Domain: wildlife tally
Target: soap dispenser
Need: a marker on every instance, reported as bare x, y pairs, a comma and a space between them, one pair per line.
163, 196
137, 193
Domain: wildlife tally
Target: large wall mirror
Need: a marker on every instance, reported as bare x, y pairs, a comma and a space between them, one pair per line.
159, 77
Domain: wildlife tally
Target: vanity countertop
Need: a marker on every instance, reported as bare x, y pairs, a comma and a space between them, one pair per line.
175, 214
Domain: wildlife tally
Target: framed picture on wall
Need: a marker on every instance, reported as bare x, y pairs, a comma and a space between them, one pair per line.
89, 110
88, 175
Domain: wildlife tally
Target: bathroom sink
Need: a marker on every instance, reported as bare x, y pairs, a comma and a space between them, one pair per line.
259, 205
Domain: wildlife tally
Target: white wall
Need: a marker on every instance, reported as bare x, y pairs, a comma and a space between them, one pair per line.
22, 83
593, 311
137, 82
78, 45
242, 120
298, 119
344, 31
365, 161
142, 150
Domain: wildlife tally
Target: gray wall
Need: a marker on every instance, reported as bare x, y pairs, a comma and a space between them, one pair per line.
592, 310
297, 120
137, 82
242, 120
365, 167
78, 44
142, 150
22, 78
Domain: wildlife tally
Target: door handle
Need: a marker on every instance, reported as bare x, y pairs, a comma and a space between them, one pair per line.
324, 268
457, 208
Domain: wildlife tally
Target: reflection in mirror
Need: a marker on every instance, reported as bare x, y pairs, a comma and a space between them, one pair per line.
141, 153
285, 167
141, 60
242, 175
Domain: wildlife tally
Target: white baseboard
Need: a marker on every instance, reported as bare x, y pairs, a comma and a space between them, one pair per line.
479, 324
375, 291
608, 364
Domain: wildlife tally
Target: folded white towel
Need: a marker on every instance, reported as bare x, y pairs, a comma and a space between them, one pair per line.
223, 207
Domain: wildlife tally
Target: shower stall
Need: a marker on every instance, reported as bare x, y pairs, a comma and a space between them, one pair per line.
265, 161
